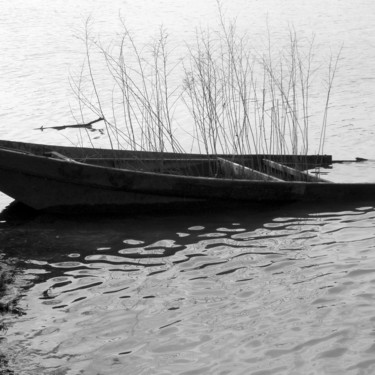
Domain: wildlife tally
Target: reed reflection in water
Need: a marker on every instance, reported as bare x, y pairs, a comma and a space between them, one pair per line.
275, 291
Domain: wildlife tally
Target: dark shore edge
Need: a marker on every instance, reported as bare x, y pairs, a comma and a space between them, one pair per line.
9, 296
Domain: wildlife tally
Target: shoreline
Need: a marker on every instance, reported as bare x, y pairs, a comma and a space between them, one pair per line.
9, 297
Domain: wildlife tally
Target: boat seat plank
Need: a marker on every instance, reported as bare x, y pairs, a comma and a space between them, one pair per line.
234, 170
292, 173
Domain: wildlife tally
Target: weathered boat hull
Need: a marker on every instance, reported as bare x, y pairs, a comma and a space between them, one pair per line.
47, 183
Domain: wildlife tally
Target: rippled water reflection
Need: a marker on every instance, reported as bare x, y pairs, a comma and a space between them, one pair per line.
272, 291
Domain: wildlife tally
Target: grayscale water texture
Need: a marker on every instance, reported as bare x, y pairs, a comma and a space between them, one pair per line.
264, 290
261, 291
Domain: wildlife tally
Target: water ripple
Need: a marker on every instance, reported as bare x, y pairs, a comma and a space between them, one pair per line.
261, 295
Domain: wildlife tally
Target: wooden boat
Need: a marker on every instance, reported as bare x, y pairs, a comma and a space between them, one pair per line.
60, 178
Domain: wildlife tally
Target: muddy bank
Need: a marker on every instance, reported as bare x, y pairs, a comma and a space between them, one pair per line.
9, 290
10, 293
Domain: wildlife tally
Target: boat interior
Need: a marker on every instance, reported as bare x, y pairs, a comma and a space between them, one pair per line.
213, 166
256, 167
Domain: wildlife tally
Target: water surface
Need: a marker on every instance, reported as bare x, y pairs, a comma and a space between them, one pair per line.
267, 291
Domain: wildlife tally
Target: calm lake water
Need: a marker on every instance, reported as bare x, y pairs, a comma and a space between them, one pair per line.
266, 290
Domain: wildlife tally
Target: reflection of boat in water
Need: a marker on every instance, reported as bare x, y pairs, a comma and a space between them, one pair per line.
57, 177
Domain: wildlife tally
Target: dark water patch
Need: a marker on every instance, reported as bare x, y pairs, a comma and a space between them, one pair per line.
156, 272
170, 324
199, 278
253, 253
229, 271
243, 280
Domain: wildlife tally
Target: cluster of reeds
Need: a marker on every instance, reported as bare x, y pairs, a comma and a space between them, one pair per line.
240, 100
138, 115
245, 102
